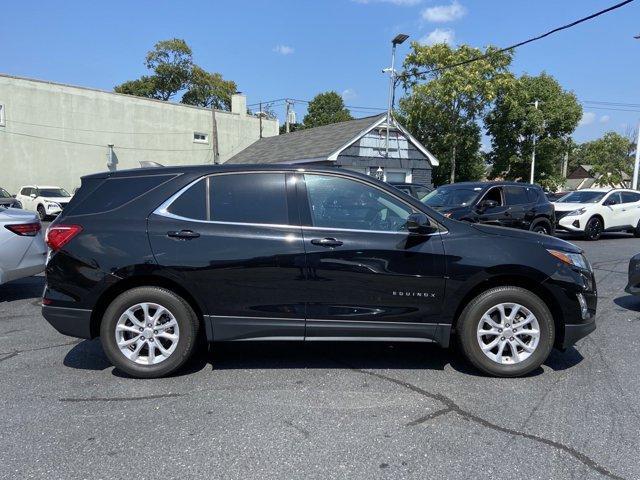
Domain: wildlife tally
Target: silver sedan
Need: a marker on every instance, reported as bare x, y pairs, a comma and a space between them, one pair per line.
23, 252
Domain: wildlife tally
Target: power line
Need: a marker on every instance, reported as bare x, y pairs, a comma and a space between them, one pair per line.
519, 44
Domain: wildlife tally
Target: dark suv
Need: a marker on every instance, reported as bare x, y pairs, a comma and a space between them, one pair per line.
152, 260
506, 204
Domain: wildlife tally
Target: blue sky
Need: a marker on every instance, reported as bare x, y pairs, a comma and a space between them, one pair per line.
295, 49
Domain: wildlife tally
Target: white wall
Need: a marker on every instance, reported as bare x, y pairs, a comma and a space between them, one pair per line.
53, 134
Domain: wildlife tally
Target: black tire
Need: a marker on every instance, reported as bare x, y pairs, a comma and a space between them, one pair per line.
470, 318
542, 226
186, 318
593, 229
42, 213
636, 231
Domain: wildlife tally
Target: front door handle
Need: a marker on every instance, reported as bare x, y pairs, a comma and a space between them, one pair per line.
183, 234
326, 242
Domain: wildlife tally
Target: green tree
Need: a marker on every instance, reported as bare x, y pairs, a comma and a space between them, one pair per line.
324, 109
514, 123
173, 71
209, 90
444, 105
610, 157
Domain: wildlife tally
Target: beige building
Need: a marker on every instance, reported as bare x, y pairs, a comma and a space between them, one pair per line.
52, 134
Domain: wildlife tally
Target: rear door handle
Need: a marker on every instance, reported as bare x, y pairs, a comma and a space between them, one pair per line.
326, 242
183, 234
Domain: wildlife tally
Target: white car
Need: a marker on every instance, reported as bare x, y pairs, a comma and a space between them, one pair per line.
23, 252
46, 200
596, 210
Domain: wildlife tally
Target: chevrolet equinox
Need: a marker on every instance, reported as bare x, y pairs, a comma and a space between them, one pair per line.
154, 260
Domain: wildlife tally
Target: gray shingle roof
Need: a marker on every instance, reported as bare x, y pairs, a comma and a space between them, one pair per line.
310, 144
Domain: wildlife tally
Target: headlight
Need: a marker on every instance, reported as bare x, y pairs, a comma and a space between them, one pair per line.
53, 204
573, 259
579, 211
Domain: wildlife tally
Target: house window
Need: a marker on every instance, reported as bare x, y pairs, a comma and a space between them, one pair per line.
2, 115
398, 176
200, 137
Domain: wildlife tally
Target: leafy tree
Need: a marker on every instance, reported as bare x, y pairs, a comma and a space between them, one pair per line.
324, 109
514, 123
444, 105
209, 90
292, 128
610, 157
173, 71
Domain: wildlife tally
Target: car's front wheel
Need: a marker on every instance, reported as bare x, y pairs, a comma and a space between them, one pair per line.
593, 229
149, 332
506, 331
541, 226
42, 213
636, 231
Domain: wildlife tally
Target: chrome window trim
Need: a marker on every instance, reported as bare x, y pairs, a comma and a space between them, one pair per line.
163, 211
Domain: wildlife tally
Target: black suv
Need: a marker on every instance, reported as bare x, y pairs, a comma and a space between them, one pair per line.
153, 260
506, 204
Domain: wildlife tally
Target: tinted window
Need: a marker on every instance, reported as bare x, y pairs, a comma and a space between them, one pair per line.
516, 195
249, 198
53, 192
337, 202
613, 199
192, 203
452, 196
115, 192
25, 191
4, 193
630, 197
582, 196
494, 195
534, 195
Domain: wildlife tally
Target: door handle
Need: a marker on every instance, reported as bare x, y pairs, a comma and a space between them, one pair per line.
183, 234
326, 242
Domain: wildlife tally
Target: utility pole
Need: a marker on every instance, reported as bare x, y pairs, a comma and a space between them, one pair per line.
214, 136
397, 40
533, 154
636, 167
453, 164
286, 119
260, 116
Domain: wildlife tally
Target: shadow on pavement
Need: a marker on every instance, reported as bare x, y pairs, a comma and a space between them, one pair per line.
628, 302
22, 289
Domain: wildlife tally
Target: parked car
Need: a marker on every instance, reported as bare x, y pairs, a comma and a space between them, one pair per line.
596, 210
7, 200
239, 253
22, 248
633, 287
506, 204
416, 190
46, 200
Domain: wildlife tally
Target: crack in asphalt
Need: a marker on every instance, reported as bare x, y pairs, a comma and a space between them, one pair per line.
10, 355
452, 406
118, 399
428, 417
13, 353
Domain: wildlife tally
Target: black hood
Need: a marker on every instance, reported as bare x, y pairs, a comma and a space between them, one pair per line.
545, 240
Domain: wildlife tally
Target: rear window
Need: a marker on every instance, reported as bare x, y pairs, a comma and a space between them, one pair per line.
115, 192
516, 195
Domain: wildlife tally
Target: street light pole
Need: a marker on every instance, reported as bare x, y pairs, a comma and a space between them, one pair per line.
533, 154
636, 167
398, 39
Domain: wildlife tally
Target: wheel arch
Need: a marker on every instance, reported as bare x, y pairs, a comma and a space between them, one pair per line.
515, 281
141, 281
600, 216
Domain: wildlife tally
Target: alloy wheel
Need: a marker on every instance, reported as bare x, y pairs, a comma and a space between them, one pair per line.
147, 333
508, 333
594, 229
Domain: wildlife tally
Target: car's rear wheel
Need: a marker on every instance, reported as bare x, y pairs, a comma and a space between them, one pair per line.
149, 332
541, 226
506, 331
593, 229
42, 213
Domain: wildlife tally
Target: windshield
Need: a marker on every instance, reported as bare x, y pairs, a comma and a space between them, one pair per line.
582, 197
4, 193
451, 196
53, 192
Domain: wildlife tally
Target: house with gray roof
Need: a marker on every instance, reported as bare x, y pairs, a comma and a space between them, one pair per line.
360, 145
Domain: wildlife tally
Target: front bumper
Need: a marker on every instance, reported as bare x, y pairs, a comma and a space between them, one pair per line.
573, 333
570, 223
74, 322
633, 287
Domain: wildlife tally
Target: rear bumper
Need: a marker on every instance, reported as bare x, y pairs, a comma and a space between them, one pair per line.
74, 322
573, 333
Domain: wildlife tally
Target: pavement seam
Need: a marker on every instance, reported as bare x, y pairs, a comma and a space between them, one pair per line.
453, 407
118, 399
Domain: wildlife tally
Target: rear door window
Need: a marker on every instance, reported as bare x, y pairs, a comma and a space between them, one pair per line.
516, 195
192, 203
630, 197
249, 198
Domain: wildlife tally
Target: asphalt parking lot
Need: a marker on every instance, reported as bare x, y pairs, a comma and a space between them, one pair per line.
324, 410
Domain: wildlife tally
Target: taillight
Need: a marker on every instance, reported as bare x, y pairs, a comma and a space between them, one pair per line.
59, 235
25, 229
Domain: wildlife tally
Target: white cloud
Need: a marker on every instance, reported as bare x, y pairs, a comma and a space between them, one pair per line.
283, 49
349, 94
439, 35
444, 13
605, 119
402, 3
587, 119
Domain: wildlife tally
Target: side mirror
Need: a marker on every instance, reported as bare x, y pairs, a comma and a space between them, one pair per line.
418, 223
33, 195
610, 201
486, 204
